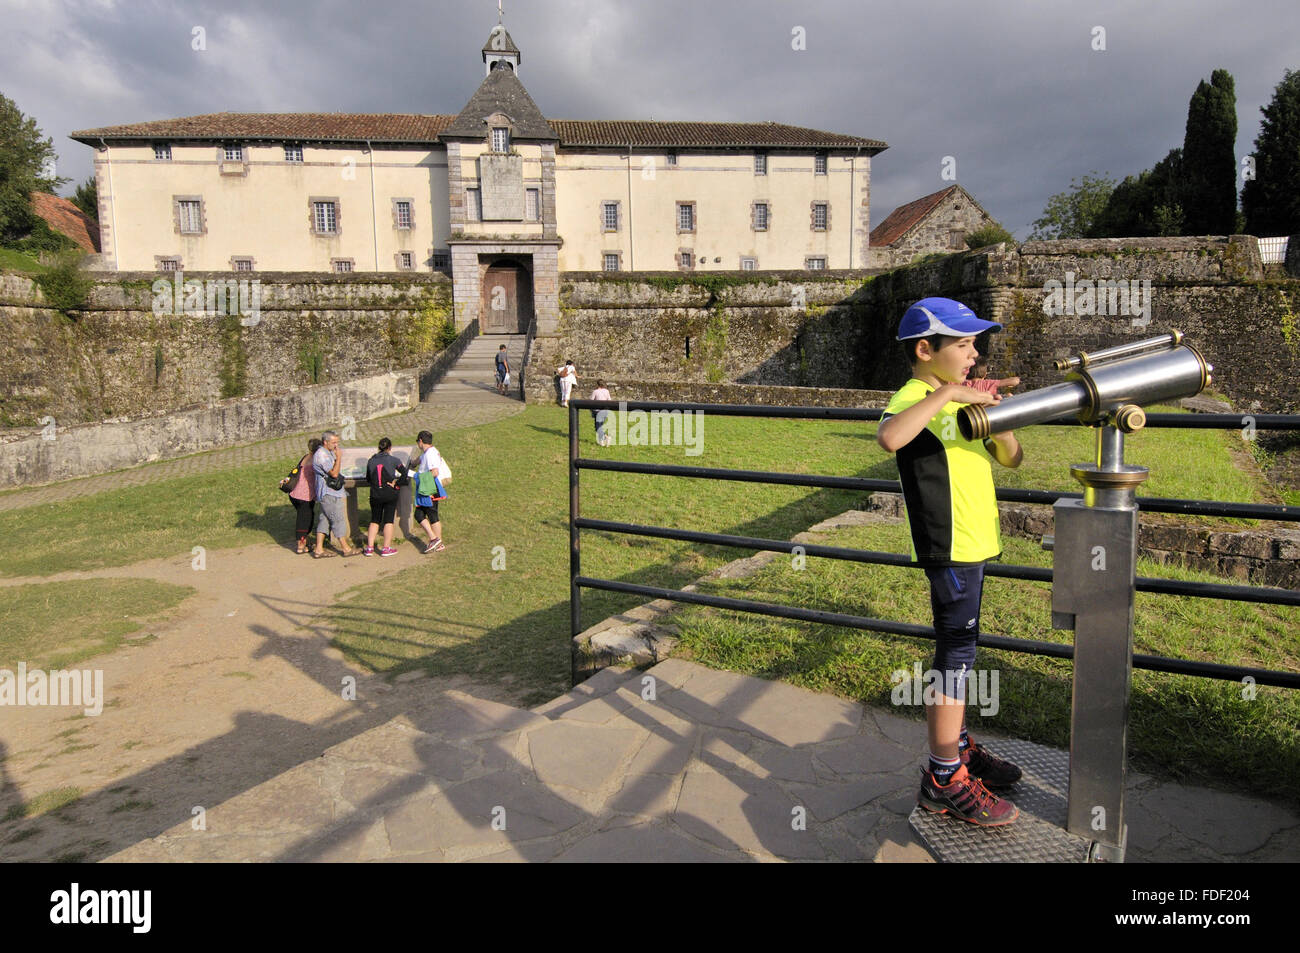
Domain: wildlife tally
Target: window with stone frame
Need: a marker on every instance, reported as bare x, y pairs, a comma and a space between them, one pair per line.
168, 262
404, 260
341, 266
685, 259
819, 163
403, 216
500, 139
233, 152
612, 261
162, 151
189, 216
441, 259
324, 216
292, 152
609, 216
820, 216
533, 205
241, 263
685, 217
748, 263
670, 160
760, 163
815, 264
760, 216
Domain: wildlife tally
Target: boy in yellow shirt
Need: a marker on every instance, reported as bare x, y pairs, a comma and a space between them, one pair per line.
953, 517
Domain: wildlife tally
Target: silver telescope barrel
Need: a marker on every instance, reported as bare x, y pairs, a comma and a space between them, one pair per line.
1093, 390
1085, 358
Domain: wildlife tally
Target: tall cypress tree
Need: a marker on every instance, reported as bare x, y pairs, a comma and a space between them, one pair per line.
1271, 200
1209, 186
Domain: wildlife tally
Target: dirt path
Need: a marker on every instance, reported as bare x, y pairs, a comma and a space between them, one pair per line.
236, 688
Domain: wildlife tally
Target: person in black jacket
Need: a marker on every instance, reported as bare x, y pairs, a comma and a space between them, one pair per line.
384, 473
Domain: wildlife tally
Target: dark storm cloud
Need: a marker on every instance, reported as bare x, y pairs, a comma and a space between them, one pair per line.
1014, 92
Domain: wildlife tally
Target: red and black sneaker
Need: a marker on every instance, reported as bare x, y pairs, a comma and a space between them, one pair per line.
965, 798
995, 772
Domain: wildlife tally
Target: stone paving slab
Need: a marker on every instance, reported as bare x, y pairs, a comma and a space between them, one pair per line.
711, 766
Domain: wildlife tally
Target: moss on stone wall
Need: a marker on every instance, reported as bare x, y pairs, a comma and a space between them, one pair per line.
715, 346
233, 369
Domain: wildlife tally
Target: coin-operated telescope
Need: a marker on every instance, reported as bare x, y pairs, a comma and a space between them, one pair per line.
1094, 553
1114, 382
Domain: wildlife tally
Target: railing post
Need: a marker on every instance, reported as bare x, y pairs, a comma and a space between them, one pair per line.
575, 597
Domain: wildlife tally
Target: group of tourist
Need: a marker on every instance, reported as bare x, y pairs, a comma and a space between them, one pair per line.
317, 481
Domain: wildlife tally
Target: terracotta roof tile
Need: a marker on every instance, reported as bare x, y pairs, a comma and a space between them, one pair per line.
905, 216
648, 133
303, 127
396, 127
66, 218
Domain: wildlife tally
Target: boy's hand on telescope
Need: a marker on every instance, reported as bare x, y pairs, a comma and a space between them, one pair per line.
961, 394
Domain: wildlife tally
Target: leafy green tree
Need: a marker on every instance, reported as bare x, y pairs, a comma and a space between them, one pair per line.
990, 234
1071, 214
1209, 164
1147, 204
1271, 200
26, 161
86, 198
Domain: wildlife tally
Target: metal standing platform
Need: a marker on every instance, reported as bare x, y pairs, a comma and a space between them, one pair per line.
1037, 836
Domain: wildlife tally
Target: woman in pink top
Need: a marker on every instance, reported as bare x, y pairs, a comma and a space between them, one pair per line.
303, 495
601, 393
980, 380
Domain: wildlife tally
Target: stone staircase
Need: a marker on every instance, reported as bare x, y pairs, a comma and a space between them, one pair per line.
472, 379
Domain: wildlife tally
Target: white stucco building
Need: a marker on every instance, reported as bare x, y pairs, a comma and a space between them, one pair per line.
497, 195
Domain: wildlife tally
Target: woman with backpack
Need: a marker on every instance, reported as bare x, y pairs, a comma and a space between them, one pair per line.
301, 487
384, 474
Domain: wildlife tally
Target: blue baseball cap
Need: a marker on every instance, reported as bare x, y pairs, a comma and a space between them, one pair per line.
941, 316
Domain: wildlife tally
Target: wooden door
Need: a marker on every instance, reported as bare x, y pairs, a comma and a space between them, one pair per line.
500, 300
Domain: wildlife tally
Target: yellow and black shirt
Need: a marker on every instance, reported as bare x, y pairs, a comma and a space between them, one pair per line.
947, 487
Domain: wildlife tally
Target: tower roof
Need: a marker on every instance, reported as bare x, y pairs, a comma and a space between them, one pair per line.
499, 41
500, 92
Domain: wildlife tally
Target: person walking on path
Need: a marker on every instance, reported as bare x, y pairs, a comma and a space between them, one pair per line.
600, 416
503, 370
426, 508
333, 502
568, 375
303, 496
384, 474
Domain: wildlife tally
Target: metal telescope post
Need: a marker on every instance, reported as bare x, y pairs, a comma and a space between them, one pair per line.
1094, 556
1094, 559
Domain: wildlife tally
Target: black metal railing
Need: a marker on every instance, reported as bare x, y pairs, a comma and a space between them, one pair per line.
577, 523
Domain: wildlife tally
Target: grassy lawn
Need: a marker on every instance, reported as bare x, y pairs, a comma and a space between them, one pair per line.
455, 612
13, 260
59, 624
1180, 726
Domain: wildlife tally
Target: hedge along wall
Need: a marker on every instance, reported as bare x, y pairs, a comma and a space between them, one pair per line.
117, 357
840, 333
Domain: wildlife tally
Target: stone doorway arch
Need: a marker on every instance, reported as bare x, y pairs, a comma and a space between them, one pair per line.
507, 298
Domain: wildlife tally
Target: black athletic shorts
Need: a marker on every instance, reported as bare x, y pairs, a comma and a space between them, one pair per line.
429, 513
382, 513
